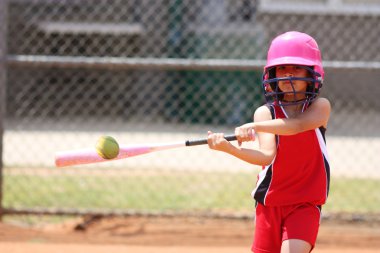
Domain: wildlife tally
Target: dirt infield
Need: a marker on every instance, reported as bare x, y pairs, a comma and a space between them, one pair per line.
171, 234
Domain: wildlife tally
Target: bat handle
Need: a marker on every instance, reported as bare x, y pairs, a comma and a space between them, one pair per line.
204, 141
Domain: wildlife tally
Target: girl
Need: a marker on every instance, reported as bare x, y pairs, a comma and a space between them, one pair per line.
294, 182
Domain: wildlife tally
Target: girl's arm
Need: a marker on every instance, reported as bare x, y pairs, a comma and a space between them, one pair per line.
315, 116
264, 155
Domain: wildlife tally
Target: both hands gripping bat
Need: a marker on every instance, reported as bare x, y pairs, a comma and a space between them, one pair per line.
87, 156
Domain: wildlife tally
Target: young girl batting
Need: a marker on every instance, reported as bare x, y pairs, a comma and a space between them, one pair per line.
290, 128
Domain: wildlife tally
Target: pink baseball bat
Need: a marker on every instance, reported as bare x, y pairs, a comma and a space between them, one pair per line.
87, 156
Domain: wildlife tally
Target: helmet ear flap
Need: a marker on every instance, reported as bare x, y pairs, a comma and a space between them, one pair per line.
271, 75
316, 85
319, 83
271, 87
318, 80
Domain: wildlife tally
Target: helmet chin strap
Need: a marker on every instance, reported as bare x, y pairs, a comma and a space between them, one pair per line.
294, 101
304, 102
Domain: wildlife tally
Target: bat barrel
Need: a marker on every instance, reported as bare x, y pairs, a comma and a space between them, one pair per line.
86, 156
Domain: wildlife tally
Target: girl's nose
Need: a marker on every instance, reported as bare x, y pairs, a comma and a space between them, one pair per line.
289, 74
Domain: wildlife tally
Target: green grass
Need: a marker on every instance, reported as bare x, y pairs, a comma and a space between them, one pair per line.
171, 191
353, 195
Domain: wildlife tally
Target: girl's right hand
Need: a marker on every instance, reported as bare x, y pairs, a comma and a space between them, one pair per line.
245, 133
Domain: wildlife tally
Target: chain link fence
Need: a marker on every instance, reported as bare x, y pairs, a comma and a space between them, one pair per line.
169, 70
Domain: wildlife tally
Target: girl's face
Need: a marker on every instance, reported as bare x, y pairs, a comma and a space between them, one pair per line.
298, 86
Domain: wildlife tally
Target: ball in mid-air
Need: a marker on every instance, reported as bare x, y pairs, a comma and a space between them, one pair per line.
107, 147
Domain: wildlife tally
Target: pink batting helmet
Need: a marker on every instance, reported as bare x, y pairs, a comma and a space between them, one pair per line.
293, 48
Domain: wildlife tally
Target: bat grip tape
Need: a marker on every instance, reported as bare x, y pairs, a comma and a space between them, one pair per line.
204, 141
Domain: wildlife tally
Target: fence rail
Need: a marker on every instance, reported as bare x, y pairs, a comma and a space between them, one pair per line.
162, 63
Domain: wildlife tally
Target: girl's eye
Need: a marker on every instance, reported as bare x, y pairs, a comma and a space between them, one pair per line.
295, 68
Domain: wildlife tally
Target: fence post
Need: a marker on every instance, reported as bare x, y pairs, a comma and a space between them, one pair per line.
3, 55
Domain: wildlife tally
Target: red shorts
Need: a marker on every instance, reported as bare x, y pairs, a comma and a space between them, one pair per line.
273, 225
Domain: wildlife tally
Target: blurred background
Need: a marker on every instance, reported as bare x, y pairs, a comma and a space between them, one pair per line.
170, 70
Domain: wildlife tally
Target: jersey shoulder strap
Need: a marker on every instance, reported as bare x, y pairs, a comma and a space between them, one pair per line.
272, 112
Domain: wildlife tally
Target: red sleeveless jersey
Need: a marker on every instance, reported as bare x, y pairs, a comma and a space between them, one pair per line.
300, 171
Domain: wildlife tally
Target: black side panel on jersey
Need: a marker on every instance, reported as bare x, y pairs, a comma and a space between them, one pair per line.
327, 168
323, 132
271, 109
263, 188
